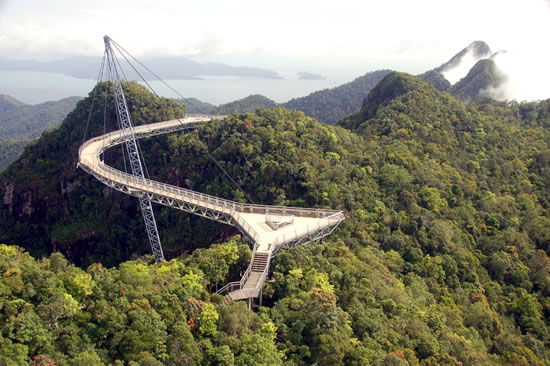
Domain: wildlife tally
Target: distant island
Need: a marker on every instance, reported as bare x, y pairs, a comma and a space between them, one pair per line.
175, 67
305, 75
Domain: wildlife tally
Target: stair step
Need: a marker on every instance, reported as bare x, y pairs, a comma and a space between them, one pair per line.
226, 300
260, 262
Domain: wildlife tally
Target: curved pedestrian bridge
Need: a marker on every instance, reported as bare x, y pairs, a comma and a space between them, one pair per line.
269, 228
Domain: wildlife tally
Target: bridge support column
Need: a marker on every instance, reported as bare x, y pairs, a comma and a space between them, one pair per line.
260, 298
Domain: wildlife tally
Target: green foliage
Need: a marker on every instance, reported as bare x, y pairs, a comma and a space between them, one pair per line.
10, 149
20, 123
133, 313
215, 261
442, 258
207, 320
48, 205
330, 105
248, 104
482, 77
193, 105
436, 79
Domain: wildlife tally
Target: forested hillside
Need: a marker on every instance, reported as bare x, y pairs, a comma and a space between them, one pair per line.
23, 120
20, 122
193, 105
442, 258
330, 105
49, 205
478, 83
248, 104
10, 149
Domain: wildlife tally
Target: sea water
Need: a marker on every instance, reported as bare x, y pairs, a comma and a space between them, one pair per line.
36, 87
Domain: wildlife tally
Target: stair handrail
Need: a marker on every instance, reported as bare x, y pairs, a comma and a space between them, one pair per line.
245, 275
263, 275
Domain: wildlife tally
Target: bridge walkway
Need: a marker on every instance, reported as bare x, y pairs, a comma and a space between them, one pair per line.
269, 228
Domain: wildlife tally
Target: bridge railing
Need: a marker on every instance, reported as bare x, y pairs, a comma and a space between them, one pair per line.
213, 203
117, 137
308, 229
282, 239
263, 276
157, 128
168, 191
222, 205
247, 228
286, 211
233, 286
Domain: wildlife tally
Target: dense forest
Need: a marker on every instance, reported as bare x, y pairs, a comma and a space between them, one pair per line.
20, 123
248, 104
442, 258
194, 105
330, 105
10, 149
480, 80
49, 205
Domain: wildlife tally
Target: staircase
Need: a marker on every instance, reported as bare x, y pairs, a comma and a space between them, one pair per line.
226, 300
260, 262
250, 286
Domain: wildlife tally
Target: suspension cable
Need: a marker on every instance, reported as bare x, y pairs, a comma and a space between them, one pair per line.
137, 142
120, 49
104, 119
187, 100
99, 77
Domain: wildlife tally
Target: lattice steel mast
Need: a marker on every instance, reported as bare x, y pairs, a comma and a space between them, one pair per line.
125, 123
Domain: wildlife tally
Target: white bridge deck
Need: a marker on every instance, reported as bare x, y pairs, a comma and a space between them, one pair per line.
307, 224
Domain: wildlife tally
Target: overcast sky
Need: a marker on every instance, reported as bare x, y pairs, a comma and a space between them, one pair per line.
349, 37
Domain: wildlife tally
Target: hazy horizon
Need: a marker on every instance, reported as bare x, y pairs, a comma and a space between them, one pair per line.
340, 41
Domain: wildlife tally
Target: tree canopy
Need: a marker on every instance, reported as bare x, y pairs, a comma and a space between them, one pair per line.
442, 258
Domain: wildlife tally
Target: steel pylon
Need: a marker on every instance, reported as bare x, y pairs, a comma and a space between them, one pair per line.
125, 124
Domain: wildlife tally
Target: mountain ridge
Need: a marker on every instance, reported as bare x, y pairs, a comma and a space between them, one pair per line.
85, 67
442, 258
20, 123
478, 49
329, 105
482, 77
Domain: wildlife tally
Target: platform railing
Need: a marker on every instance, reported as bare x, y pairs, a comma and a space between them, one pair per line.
309, 229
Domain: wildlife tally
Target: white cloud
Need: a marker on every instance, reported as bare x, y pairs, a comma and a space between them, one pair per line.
459, 71
346, 36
